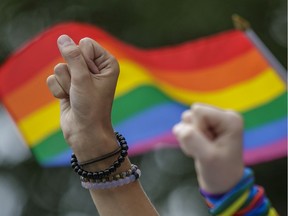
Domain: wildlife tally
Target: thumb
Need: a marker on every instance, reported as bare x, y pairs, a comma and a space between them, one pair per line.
75, 61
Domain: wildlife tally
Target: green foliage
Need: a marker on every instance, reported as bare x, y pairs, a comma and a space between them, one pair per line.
143, 23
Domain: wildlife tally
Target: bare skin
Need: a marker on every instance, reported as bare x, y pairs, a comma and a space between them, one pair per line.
85, 85
213, 137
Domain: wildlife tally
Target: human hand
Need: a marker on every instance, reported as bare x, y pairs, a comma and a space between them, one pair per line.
85, 85
213, 137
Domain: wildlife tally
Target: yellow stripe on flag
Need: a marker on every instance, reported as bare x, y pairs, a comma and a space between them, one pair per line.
241, 97
246, 95
41, 123
132, 75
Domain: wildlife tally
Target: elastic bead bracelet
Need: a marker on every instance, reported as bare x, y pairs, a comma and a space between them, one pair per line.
132, 175
111, 177
103, 173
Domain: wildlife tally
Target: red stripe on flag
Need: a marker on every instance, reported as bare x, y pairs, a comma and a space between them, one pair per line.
32, 58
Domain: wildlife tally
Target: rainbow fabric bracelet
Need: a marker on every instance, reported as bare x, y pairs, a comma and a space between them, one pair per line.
245, 199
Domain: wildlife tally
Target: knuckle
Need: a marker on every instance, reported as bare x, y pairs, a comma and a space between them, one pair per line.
57, 71
185, 115
50, 81
197, 108
112, 62
116, 64
72, 52
85, 40
59, 68
187, 134
236, 118
54, 88
113, 59
234, 115
58, 93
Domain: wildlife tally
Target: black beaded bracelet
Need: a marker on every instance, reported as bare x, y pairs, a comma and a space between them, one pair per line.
114, 177
103, 173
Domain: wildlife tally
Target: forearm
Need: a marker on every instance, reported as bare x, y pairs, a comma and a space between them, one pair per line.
86, 87
129, 199
125, 200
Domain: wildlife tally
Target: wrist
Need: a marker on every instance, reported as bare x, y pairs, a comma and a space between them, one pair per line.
244, 198
101, 168
104, 164
93, 144
219, 178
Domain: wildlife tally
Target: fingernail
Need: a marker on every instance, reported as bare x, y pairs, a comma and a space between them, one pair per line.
64, 40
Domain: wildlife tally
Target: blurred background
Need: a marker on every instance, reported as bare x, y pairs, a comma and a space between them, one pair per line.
169, 179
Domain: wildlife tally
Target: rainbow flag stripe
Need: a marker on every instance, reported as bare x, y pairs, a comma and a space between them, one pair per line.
155, 86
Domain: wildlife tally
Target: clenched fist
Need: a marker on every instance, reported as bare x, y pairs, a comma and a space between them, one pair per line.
213, 137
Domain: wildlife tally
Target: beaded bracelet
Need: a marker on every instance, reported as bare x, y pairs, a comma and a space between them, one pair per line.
116, 181
106, 172
112, 177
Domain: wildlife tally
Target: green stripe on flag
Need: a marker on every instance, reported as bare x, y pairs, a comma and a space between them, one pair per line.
271, 111
140, 99
51, 146
136, 101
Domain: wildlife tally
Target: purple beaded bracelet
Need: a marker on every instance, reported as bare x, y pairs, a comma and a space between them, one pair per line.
135, 174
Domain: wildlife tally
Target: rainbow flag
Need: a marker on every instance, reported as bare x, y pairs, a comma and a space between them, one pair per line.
155, 86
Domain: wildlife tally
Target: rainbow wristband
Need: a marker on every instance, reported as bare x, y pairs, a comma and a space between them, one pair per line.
245, 199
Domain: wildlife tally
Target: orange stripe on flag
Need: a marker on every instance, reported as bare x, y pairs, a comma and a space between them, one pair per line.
32, 95
218, 77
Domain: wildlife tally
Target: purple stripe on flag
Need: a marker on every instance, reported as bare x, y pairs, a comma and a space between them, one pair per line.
266, 152
164, 140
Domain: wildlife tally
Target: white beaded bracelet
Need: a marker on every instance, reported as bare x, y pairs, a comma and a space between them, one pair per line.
135, 173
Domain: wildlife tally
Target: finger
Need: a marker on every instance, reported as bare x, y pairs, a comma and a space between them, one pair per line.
187, 116
55, 87
97, 58
76, 62
88, 51
62, 74
191, 141
214, 121
185, 133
